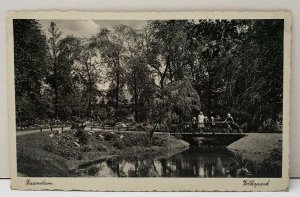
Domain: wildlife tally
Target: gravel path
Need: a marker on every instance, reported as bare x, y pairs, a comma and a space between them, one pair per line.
19, 133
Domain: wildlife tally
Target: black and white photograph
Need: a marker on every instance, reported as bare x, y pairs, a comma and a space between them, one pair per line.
159, 98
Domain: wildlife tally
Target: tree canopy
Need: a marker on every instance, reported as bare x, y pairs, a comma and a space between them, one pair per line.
167, 71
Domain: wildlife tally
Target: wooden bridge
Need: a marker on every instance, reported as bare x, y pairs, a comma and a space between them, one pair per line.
209, 138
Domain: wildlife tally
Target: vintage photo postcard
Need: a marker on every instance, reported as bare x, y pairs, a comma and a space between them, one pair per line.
149, 101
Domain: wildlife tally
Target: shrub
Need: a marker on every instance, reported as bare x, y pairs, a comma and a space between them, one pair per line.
142, 140
82, 136
109, 136
101, 148
86, 148
119, 143
66, 150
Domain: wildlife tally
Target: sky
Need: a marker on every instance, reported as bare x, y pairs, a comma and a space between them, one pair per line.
87, 28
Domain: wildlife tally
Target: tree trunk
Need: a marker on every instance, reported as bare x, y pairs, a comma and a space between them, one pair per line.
90, 92
209, 89
136, 116
117, 91
89, 89
55, 89
168, 64
117, 94
55, 85
153, 130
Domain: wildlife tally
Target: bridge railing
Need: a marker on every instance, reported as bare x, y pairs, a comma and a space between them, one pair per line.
188, 127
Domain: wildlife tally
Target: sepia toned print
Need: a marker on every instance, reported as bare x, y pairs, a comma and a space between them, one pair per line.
132, 101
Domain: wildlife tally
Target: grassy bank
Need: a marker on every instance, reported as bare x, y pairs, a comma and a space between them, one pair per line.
53, 154
257, 142
34, 160
266, 148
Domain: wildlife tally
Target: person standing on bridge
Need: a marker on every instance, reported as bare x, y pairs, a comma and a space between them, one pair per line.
194, 122
201, 121
212, 122
206, 121
231, 124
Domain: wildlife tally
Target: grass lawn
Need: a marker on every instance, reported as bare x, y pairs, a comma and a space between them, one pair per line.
33, 160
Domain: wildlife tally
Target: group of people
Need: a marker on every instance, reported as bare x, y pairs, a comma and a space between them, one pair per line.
203, 121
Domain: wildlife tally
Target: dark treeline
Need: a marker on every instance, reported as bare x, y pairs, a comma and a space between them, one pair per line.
166, 72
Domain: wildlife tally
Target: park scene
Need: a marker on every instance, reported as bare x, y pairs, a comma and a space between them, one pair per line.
158, 98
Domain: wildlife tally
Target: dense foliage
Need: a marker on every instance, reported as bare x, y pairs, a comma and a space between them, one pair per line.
165, 72
31, 57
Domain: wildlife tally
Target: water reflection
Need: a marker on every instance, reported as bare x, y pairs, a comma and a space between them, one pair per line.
194, 162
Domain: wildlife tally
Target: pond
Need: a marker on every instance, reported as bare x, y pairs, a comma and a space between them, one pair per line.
193, 162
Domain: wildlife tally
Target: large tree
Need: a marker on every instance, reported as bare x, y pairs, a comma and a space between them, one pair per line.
213, 42
111, 48
66, 78
31, 67
170, 55
87, 68
167, 51
140, 79
258, 82
53, 78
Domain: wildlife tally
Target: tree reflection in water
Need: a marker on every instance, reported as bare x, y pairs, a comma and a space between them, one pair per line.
195, 162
